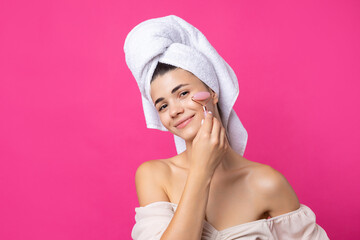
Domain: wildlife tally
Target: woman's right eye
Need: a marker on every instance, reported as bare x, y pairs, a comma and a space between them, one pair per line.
162, 107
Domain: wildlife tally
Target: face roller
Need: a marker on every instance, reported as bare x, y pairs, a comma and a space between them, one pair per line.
202, 98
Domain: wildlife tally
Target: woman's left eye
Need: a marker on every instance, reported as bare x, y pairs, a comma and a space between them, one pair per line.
184, 93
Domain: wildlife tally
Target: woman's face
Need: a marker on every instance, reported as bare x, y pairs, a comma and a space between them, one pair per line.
171, 94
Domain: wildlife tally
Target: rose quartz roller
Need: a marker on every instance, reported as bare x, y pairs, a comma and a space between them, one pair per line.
202, 97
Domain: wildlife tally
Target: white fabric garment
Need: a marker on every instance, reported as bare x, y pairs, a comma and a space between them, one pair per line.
174, 41
153, 219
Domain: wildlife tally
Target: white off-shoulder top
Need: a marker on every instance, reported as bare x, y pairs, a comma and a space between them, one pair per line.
153, 219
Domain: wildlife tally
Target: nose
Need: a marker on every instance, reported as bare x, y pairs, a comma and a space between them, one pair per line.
175, 109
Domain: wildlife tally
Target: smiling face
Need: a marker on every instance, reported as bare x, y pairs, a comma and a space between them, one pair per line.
171, 94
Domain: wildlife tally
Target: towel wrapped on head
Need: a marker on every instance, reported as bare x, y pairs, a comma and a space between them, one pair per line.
174, 41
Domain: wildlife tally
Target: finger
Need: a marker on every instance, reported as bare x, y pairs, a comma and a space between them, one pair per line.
208, 122
215, 133
201, 129
222, 136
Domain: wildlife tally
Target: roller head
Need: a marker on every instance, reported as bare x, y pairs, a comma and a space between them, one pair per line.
200, 96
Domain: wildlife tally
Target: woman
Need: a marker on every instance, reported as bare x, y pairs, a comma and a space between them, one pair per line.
209, 190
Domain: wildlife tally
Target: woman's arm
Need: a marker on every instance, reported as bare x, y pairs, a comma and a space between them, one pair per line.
187, 221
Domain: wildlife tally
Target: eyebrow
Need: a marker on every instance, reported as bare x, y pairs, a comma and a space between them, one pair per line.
172, 92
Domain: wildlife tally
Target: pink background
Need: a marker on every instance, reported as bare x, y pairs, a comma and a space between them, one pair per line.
72, 129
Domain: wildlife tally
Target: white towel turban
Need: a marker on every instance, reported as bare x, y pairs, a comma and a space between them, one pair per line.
174, 41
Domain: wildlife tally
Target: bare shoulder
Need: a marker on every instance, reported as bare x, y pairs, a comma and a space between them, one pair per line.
273, 190
149, 181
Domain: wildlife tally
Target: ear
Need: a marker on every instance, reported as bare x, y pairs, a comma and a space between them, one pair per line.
215, 97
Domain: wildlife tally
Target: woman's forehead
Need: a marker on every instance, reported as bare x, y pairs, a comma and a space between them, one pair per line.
171, 79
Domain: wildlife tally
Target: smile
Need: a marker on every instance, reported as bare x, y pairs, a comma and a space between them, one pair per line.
183, 124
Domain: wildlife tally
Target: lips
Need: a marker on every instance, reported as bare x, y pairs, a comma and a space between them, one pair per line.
184, 122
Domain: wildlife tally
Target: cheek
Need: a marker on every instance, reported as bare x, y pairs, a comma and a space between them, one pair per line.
189, 103
165, 120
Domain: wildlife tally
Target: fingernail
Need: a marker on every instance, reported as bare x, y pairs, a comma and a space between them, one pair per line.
210, 112
202, 121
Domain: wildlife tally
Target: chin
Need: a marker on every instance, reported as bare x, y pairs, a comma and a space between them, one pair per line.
188, 134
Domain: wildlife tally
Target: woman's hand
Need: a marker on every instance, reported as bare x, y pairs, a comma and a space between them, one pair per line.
209, 146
